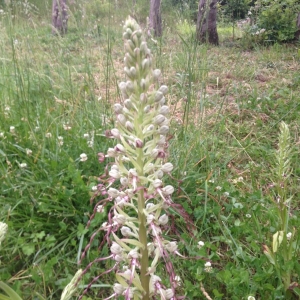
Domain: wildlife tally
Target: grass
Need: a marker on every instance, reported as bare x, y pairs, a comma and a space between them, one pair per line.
227, 104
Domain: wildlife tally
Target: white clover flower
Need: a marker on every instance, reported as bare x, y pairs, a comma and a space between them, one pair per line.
208, 267
200, 244
226, 194
23, 165
3, 231
83, 157
248, 216
12, 129
218, 188
289, 235
67, 127
28, 152
1, 134
240, 179
48, 135
250, 298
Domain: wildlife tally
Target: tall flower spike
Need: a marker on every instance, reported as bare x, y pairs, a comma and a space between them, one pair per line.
139, 166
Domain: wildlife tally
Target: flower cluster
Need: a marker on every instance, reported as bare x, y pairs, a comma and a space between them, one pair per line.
140, 205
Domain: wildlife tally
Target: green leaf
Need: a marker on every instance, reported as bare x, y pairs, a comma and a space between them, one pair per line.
12, 295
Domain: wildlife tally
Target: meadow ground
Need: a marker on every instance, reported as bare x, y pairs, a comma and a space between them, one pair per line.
227, 106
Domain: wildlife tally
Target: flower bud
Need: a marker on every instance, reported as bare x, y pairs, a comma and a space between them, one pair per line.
3, 231
144, 48
128, 103
113, 192
163, 89
121, 119
164, 110
143, 98
129, 86
167, 167
126, 231
115, 133
158, 96
163, 129
168, 190
118, 289
124, 181
116, 248
169, 294
159, 119
133, 254
147, 109
150, 219
157, 183
114, 174
162, 101
156, 73
139, 143
161, 141
132, 173
149, 206
159, 174
163, 220
171, 246
129, 126
120, 219
119, 148
111, 152
118, 108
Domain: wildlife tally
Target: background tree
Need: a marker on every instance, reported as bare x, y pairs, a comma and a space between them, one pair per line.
155, 18
206, 29
59, 17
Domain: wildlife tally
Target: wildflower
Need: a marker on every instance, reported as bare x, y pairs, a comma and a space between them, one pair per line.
48, 135
208, 267
200, 244
23, 165
70, 289
1, 134
28, 152
94, 188
248, 216
218, 188
60, 140
178, 280
250, 298
7, 108
86, 135
289, 235
226, 194
100, 208
12, 129
83, 157
3, 231
67, 127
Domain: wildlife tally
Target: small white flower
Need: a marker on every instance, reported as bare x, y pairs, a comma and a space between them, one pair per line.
86, 135
116, 248
288, 235
178, 280
7, 108
250, 298
240, 179
208, 267
36, 128
28, 152
67, 127
226, 194
83, 157
23, 165
118, 289
200, 244
1, 134
248, 216
126, 231
171, 246
60, 140
94, 188
12, 129
163, 220
90, 143
218, 188
249, 13
48, 135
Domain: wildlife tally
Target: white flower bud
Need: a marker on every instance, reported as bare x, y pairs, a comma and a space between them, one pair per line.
133, 254
157, 183
156, 73
159, 119
128, 103
143, 98
171, 246
114, 174
208, 264
116, 248
119, 148
168, 190
164, 110
113, 192
124, 181
169, 294
163, 220
167, 167
120, 219
132, 71
159, 174
149, 206
122, 86
112, 152
147, 109
162, 101
158, 96
121, 119
115, 133
132, 173
163, 89
163, 129
129, 126
150, 219
118, 289
289, 235
126, 231
129, 86
161, 141
118, 108
200, 244
150, 127
154, 153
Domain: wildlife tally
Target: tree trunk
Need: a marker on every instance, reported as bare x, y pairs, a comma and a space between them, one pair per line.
155, 18
206, 29
297, 34
59, 17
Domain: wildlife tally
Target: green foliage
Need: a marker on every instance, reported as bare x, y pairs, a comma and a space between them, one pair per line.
278, 18
235, 9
